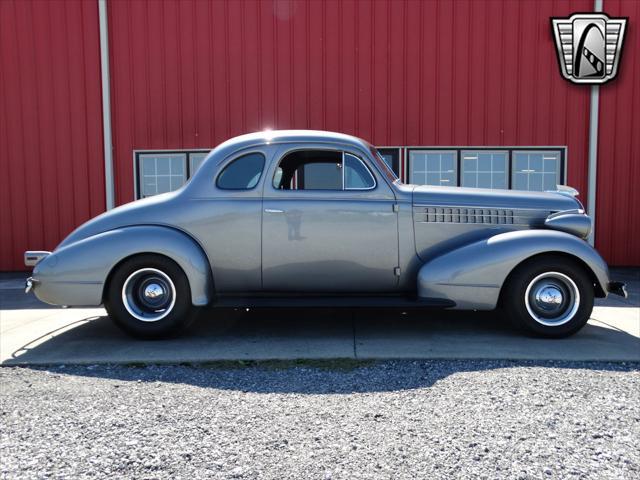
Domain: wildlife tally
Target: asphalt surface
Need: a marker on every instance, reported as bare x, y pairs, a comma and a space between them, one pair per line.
341, 420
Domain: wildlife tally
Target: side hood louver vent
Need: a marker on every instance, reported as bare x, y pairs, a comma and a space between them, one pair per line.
463, 215
491, 216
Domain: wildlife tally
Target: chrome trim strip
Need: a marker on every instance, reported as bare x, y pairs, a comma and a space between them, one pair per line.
344, 168
480, 207
474, 285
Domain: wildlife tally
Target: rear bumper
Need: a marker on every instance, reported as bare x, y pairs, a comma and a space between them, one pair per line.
77, 294
618, 288
56, 285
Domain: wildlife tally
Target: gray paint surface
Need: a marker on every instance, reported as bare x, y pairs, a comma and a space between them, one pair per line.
453, 243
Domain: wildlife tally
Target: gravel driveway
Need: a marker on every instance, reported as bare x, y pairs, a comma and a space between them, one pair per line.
401, 419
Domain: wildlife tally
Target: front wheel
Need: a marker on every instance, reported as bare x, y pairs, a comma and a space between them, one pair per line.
148, 296
550, 296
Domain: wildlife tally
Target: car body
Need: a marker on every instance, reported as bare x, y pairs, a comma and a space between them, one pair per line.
317, 218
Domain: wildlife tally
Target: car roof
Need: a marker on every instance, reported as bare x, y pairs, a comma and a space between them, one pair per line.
287, 136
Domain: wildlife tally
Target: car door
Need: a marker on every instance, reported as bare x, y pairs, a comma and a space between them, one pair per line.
329, 223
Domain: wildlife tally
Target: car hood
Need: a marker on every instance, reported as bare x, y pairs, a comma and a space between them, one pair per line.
146, 211
486, 198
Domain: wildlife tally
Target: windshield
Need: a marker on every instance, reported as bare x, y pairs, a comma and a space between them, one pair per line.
382, 165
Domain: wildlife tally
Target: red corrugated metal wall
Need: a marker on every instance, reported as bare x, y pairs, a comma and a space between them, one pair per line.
618, 191
51, 161
190, 74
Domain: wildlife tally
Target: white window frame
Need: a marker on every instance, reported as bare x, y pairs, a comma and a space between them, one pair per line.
558, 172
406, 166
477, 152
137, 164
405, 171
156, 175
456, 161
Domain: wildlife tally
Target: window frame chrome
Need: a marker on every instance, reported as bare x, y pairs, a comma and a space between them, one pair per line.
344, 169
225, 163
329, 148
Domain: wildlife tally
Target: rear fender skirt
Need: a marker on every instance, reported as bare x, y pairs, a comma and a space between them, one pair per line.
472, 276
86, 264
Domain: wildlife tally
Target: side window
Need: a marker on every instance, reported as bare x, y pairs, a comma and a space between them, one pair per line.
309, 170
242, 174
356, 175
322, 170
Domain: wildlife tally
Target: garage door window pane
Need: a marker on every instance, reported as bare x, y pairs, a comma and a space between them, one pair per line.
161, 173
391, 157
433, 167
537, 171
484, 169
195, 161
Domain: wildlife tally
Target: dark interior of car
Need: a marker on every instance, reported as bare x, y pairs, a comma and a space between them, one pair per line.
310, 170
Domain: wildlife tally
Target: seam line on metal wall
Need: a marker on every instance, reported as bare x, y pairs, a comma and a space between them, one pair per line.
592, 180
106, 105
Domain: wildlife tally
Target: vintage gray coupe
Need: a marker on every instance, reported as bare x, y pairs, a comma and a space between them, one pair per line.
310, 218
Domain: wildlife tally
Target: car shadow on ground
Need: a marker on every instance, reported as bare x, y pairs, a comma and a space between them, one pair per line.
316, 378
236, 335
312, 377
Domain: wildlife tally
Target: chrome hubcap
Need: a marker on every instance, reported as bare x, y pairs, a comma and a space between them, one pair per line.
154, 291
549, 297
148, 294
552, 299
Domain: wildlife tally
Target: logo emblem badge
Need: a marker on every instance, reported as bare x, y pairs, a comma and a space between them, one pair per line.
589, 46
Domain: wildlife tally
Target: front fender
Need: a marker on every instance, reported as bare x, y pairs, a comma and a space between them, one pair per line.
473, 275
76, 273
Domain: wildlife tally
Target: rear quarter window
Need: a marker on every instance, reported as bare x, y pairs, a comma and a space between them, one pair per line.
243, 173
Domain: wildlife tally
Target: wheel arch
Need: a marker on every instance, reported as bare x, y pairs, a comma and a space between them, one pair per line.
474, 275
598, 290
76, 273
172, 244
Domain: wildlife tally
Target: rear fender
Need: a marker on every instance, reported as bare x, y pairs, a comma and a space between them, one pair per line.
473, 275
77, 273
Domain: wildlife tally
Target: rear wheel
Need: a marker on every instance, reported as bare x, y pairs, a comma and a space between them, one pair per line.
550, 296
148, 296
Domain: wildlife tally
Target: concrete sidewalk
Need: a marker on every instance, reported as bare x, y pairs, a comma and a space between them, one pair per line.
32, 333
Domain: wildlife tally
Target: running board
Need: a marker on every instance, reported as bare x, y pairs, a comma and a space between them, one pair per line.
331, 302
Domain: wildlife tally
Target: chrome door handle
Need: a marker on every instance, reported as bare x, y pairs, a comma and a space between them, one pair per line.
273, 210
